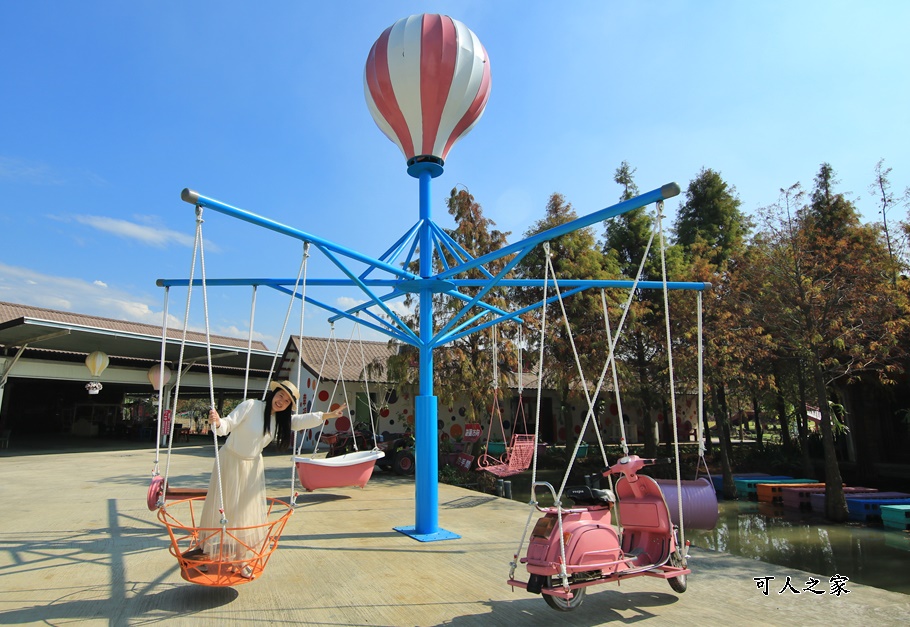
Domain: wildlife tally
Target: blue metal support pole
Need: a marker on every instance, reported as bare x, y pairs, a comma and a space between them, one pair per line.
426, 527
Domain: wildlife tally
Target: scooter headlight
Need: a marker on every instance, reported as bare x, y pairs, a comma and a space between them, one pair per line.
544, 527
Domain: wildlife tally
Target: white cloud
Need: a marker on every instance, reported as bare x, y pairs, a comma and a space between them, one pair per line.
150, 234
397, 306
27, 287
346, 302
19, 170
37, 173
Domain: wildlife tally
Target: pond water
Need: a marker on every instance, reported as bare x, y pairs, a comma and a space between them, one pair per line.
870, 555
867, 554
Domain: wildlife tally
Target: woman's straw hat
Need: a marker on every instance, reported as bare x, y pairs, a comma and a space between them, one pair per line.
288, 387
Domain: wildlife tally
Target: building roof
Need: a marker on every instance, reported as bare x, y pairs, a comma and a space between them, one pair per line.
313, 354
51, 330
345, 360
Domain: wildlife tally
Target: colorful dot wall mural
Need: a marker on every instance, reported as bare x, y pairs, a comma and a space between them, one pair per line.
393, 413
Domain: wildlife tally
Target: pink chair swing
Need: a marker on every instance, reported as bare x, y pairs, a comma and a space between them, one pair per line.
520, 450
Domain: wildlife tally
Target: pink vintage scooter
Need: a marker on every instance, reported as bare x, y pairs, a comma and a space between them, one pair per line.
571, 549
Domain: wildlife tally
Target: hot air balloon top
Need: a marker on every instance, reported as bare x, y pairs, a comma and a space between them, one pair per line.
426, 83
96, 362
158, 376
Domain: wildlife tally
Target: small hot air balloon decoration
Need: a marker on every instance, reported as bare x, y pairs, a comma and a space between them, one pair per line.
96, 363
158, 376
426, 83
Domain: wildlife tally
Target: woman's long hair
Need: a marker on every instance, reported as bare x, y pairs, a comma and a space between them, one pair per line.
282, 420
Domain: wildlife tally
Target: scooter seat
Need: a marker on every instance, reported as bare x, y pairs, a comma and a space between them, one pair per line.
584, 495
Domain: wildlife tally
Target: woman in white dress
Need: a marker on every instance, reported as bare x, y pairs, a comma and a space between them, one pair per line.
251, 427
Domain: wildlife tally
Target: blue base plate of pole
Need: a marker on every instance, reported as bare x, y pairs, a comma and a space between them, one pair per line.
439, 534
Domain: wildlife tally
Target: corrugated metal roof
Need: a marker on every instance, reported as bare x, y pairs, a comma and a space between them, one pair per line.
12, 312
313, 354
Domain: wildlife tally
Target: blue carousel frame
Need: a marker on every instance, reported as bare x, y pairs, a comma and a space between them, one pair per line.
425, 235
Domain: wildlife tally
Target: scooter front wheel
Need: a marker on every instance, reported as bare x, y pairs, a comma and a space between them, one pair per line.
679, 584
566, 605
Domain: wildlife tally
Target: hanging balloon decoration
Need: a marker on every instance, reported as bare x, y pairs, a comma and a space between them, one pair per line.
426, 83
158, 377
96, 363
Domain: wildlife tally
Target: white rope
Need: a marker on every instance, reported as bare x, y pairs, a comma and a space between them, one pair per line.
249, 345
622, 320
164, 310
700, 424
366, 385
297, 408
186, 322
672, 418
287, 316
306, 256
495, 359
584, 384
316, 389
532, 503
521, 387
610, 360
495, 408
701, 390
344, 387
543, 330
208, 349
616, 394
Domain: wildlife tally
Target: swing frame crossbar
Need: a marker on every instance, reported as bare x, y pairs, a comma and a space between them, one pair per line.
427, 241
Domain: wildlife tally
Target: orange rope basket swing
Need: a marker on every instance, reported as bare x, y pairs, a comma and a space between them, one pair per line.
224, 568
232, 555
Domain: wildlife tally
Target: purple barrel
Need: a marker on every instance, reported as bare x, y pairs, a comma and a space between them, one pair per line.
699, 502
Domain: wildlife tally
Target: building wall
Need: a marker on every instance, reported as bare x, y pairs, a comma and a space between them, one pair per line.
394, 412
49, 397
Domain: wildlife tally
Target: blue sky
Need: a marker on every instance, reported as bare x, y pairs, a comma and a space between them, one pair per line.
108, 109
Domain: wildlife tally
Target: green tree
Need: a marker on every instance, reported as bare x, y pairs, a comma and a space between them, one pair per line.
881, 188
465, 365
642, 346
711, 229
711, 217
833, 305
574, 255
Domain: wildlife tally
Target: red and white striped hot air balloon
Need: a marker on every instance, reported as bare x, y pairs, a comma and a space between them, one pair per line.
426, 82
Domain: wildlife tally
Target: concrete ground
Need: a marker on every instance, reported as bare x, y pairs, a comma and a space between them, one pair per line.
78, 545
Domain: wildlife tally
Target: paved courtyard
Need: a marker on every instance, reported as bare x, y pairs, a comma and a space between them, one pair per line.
78, 546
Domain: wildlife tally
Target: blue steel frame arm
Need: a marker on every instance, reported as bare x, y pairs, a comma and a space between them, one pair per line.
390, 255
395, 294
592, 283
194, 198
399, 323
337, 282
663, 193
465, 329
484, 290
384, 327
574, 285
454, 248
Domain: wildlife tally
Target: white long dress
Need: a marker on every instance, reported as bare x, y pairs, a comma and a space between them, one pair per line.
242, 473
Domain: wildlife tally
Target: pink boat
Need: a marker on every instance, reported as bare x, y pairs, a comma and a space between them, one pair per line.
350, 469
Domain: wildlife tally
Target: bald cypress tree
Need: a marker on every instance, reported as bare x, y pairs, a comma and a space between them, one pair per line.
642, 348
711, 230
575, 255
833, 306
